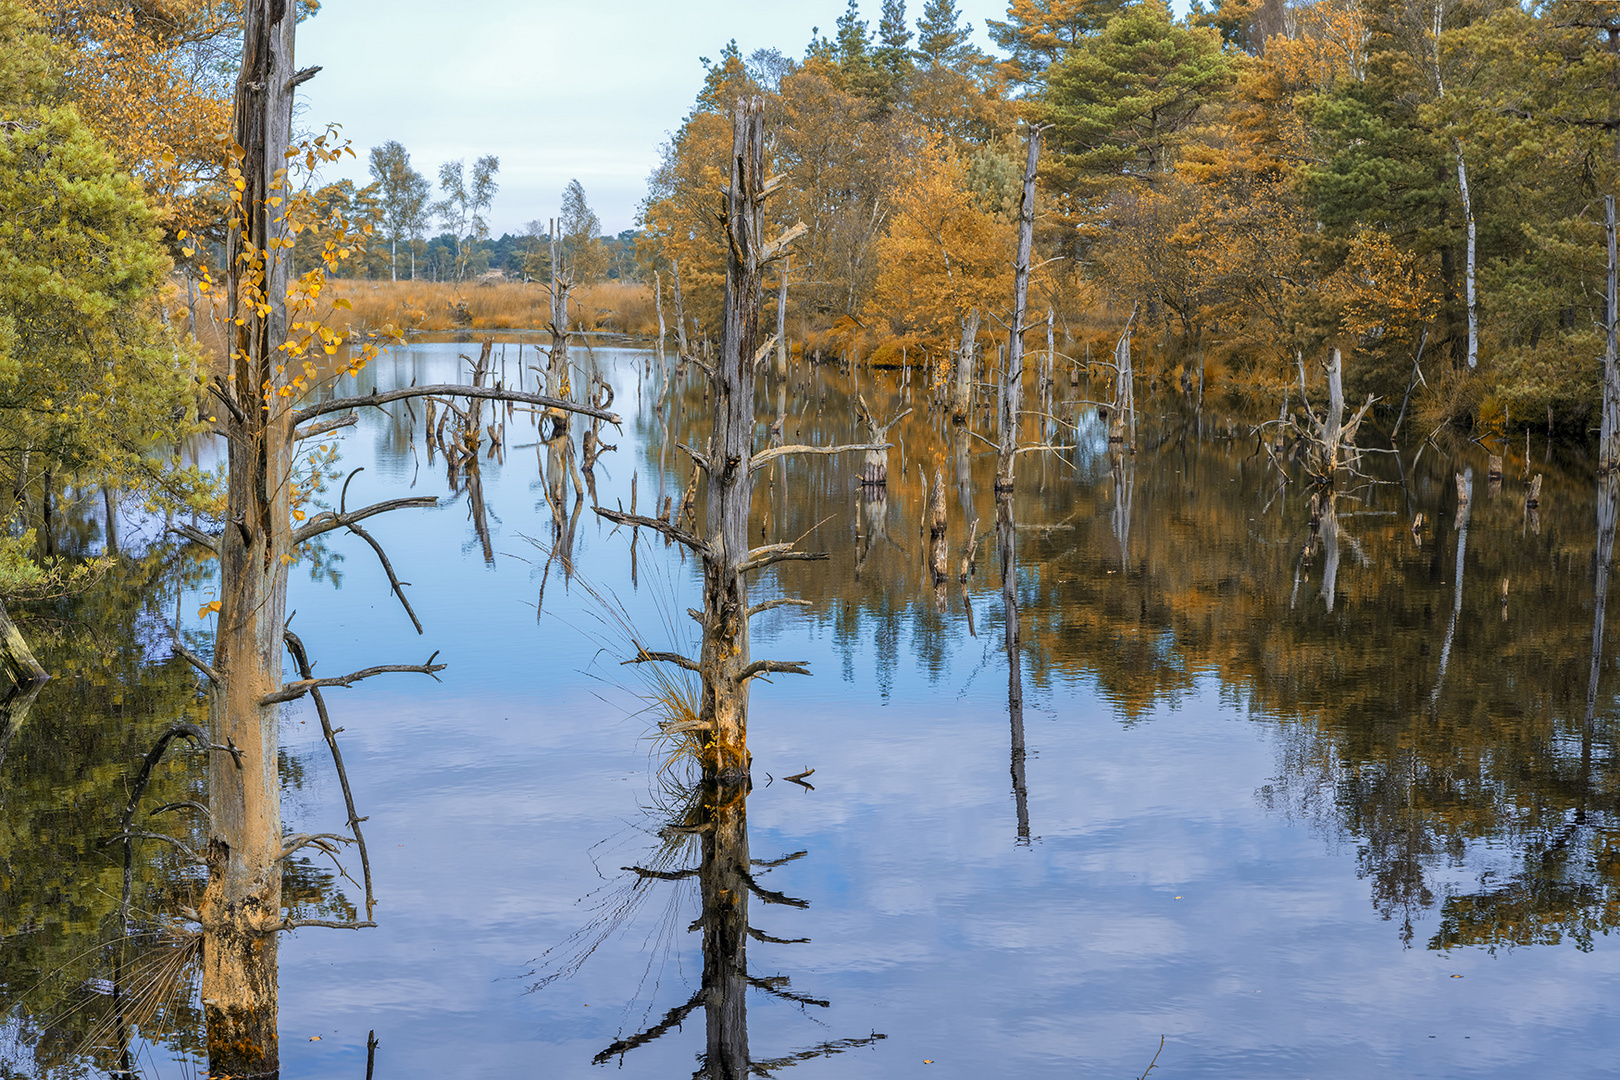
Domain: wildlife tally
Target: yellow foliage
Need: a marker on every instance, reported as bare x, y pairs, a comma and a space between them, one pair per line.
943, 255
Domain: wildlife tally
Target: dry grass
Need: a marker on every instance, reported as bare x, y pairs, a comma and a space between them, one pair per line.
621, 307
624, 307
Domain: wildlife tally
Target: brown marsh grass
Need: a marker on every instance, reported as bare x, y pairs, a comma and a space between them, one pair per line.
623, 307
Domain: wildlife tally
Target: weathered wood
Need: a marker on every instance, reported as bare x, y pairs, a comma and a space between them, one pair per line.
241, 902
681, 345
962, 380
18, 659
1609, 436
875, 466
938, 520
725, 653
781, 320
1012, 375
1122, 417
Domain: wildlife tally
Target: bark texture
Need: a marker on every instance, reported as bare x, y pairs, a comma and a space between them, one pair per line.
1012, 378
241, 904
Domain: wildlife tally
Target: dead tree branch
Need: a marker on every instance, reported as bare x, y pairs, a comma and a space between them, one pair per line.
674, 532
647, 655
327, 520
488, 393
295, 690
783, 667
764, 457
326, 426
300, 656
196, 536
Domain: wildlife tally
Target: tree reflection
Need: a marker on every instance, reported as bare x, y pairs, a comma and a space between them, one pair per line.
715, 814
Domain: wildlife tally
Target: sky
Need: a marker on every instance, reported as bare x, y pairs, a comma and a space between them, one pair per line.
558, 91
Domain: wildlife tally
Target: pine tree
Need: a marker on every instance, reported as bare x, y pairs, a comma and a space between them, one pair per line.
942, 39
894, 36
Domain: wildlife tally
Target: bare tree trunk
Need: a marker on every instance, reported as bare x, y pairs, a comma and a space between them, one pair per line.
557, 382
1122, 423
1468, 270
939, 545
1609, 439
241, 903
962, 384
725, 590
663, 369
781, 321
680, 313
875, 469
1332, 424
723, 881
1012, 376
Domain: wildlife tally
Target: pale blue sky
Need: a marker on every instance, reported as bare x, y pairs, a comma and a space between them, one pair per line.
557, 91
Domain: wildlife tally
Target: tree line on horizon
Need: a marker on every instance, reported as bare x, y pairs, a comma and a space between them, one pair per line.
400, 209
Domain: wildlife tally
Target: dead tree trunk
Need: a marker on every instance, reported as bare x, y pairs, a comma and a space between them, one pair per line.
1012, 376
557, 365
781, 320
1609, 438
663, 367
1332, 434
725, 590
723, 881
680, 313
729, 462
875, 469
1122, 421
240, 910
962, 383
1007, 542
938, 545
1469, 272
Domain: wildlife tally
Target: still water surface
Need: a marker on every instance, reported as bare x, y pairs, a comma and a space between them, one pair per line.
1300, 807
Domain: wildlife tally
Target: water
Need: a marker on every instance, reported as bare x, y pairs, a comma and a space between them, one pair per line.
1262, 825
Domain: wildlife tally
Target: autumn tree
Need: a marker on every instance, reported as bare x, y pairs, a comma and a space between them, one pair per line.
580, 230
403, 194
91, 378
947, 252
466, 200
152, 81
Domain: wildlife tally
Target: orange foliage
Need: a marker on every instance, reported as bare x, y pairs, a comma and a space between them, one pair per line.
147, 77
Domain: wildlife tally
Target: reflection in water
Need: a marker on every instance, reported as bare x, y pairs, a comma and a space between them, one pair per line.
1608, 508
1007, 545
716, 815
1463, 763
